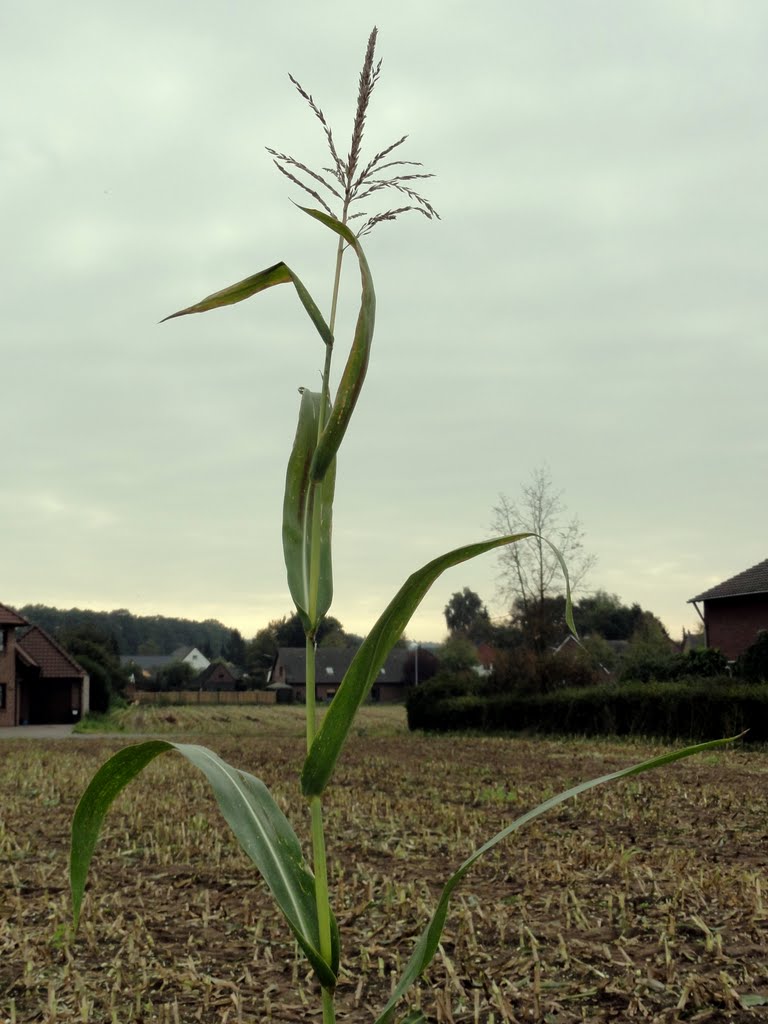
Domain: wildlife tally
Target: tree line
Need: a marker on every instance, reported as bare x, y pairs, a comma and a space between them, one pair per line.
134, 634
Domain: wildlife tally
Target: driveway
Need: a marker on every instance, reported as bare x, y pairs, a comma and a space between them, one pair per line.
36, 732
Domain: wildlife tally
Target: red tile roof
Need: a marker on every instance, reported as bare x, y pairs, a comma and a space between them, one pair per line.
751, 581
52, 659
8, 617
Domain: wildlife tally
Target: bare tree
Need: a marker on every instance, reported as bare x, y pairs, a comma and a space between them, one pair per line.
530, 577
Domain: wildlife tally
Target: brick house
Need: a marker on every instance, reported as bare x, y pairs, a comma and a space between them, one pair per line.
218, 676
39, 682
288, 668
735, 610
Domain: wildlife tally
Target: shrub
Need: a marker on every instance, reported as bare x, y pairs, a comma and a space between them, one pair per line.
439, 688
643, 665
692, 709
523, 671
753, 663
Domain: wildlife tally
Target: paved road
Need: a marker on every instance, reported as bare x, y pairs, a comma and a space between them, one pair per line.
36, 732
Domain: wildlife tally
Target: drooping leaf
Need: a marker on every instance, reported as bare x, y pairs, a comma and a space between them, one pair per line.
261, 828
305, 499
352, 378
356, 366
428, 941
280, 273
370, 657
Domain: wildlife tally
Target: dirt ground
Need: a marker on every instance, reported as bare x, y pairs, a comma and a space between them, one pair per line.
645, 901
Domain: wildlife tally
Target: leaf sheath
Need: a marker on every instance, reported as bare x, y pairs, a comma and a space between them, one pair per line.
303, 500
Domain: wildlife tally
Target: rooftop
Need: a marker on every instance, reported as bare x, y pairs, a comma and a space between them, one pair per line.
50, 657
751, 581
8, 617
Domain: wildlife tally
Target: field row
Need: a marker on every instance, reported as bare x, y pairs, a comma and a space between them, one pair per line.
642, 902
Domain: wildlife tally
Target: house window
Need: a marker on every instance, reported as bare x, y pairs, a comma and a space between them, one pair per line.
2, 696
329, 670
2, 643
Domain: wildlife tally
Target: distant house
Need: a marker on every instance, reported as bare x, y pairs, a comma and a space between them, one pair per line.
191, 656
735, 610
218, 676
145, 666
487, 658
40, 683
288, 668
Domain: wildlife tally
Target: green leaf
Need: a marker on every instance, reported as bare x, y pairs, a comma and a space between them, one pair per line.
357, 361
428, 941
754, 999
261, 828
352, 378
280, 273
304, 499
370, 657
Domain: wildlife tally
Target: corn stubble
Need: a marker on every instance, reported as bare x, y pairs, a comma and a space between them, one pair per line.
640, 904
406, 920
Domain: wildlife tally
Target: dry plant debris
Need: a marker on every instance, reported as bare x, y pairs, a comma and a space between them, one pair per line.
643, 902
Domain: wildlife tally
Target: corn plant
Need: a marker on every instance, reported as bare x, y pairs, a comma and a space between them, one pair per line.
301, 891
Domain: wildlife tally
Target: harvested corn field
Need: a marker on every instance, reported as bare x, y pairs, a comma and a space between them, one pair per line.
646, 901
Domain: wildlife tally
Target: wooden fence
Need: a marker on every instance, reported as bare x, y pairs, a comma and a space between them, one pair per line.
205, 697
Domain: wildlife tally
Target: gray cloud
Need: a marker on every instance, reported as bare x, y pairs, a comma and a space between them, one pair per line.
593, 297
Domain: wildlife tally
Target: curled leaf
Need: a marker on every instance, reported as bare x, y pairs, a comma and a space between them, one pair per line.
304, 500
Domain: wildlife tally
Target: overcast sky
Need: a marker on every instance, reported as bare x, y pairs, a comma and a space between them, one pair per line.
594, 297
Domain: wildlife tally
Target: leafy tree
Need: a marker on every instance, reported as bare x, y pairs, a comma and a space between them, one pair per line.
100, 692
457, 654
709, 662
288, 631
525, 671
134, 634
603, 614
234, 650
465, 613
179, 675
260, 653
541, 623
502, 635
651, 632
752, 665
530, 572
332, 634
96, 651
599, 653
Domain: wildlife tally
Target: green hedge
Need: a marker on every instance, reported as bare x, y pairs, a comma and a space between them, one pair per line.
681, 710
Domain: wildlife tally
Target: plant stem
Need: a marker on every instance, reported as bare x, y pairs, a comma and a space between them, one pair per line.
322, 898
309, 659
329, 1014
336, 281
319, 859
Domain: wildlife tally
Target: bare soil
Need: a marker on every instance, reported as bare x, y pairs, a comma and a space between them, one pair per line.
645, 901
